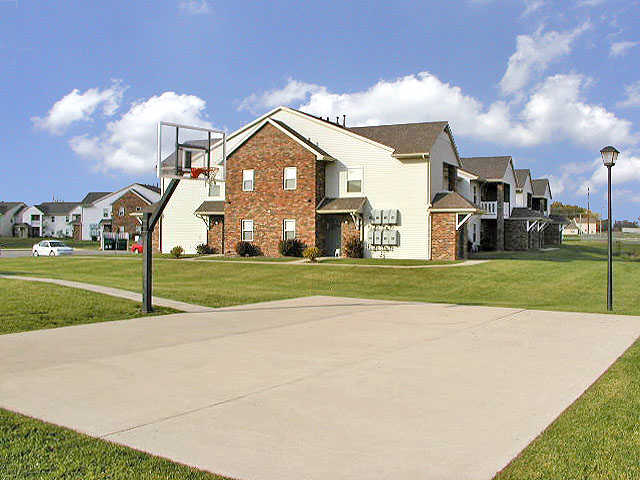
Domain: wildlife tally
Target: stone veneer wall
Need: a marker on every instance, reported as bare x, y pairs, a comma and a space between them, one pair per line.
268, 152
553, 235
516, 236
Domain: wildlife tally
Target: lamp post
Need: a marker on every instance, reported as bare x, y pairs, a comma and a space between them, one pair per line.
609, 157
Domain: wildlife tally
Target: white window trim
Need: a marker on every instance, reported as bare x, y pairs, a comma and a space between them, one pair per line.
121, 212
346, 186
253, 180
242, 230
284, 228
295, 178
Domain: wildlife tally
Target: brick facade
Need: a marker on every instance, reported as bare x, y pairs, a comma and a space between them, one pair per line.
447, 243
268, 152
131, 203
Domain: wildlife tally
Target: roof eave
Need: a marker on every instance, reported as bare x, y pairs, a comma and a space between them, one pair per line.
400, 156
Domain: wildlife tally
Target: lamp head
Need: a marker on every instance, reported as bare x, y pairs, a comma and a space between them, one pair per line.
609, 156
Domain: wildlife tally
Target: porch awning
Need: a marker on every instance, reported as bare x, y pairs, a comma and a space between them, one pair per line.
210, 208
522, 213
330, 206
453, 202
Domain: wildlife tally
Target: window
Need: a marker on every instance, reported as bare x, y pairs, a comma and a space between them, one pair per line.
475, 195
121, 212
214, 189
247, 230
475, 227
289, 230
66, 219
354, 180
187, 160
445, 176
53, 219
138, 229
247, 180
121, 228
290, 178
138, 209
106, 212
35, 218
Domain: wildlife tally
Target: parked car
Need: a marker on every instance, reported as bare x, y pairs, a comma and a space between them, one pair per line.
51, 248
136, 247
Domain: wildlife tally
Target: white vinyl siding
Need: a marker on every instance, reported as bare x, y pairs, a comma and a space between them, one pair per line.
247, 230
248, 180
289, 230
179, 225
290, 178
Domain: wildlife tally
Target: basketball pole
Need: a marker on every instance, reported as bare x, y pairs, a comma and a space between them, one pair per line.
149, 222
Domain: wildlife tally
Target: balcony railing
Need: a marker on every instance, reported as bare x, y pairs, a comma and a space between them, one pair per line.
491, 209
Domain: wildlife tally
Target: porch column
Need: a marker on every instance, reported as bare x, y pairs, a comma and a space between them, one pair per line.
500, 217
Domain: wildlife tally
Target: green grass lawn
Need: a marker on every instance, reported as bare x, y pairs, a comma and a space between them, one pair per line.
13, 242
28, 306
34, 450
387, 261
572, 278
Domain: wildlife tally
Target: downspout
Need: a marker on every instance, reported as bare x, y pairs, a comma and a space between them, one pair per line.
424, 157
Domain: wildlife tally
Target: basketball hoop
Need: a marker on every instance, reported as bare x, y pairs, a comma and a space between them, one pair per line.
208, 172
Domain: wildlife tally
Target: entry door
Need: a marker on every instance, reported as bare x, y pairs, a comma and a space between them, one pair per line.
334, 236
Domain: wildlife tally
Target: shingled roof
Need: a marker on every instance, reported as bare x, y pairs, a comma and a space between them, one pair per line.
57, 208
91, 197
521, 176
539, 186
404, 138
210, 208
451, 201
341, 205
6, 206
523, 213
491, 168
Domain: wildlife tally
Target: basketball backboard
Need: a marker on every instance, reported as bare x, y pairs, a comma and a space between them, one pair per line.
188, 152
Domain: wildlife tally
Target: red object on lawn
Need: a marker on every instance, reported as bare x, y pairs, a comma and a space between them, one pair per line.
136, 247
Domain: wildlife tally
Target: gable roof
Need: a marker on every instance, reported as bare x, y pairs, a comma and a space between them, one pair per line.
540, 186
521, 176
491, 168
408, 138
57, 208
341, 205
6, 206
210, 207
153, 188
451, 201
91, 197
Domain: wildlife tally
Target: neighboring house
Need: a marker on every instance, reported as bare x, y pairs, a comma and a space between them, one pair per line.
496, 179
524, 188
294, 175
93, 211
60, 219
9, 217
99, 214
133, 200
541, 201
580, 226
29, 222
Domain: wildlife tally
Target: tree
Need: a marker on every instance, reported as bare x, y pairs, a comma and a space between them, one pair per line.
572, 211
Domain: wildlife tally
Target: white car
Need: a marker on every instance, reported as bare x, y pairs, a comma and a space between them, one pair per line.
51, 248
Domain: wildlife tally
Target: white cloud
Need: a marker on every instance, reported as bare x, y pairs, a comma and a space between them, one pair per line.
590, 3
76, 106
195, 7
554, 111
626, 169
632, 93
129, 143
533, 55
619, 49
532, 6
293, 91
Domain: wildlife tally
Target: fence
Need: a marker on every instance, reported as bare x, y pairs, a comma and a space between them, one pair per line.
115, 241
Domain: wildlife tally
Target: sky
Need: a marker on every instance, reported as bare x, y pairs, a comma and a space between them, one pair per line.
83, 84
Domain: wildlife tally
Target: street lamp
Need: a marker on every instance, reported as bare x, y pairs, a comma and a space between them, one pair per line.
609, 157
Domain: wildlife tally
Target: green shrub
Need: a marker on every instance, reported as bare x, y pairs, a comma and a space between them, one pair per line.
311, 253
353, 248
291, 248
204, 249
247, 249
177, 251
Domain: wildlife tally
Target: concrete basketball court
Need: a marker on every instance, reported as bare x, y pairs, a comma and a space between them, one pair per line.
318, 387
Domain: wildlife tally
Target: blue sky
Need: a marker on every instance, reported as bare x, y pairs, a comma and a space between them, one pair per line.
550, 83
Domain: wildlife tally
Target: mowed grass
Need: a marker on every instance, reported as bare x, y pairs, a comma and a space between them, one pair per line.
596, 438
572, 278
31, 449
387, 261
28, 306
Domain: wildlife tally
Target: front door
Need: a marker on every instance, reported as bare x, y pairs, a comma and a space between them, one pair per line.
334, 236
